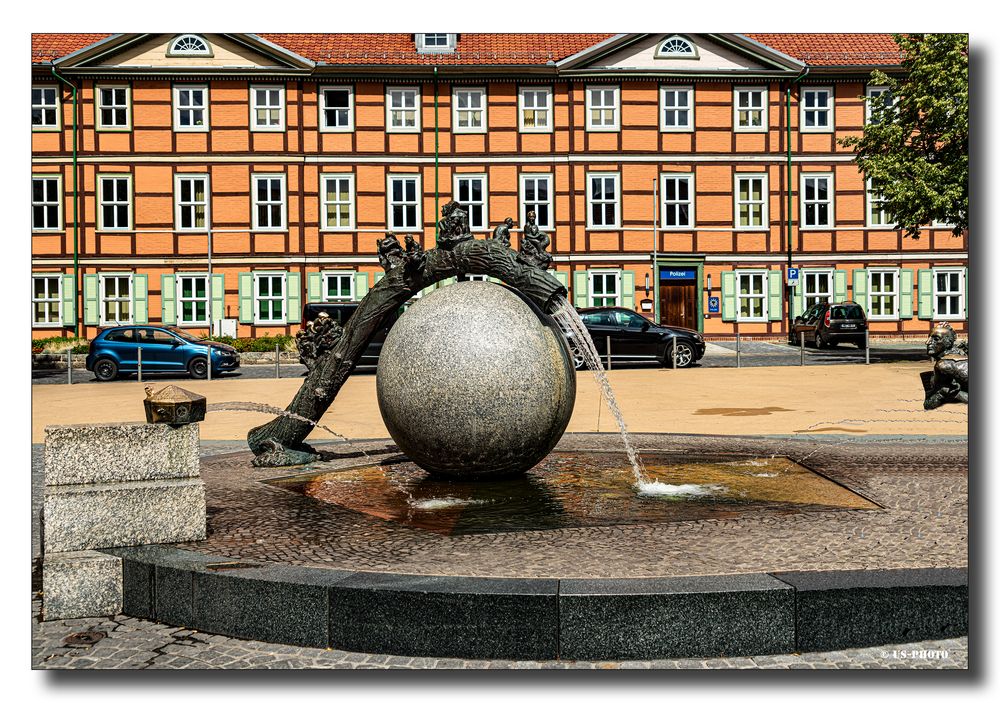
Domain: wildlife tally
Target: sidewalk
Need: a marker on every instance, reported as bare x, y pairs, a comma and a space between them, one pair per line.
884, 399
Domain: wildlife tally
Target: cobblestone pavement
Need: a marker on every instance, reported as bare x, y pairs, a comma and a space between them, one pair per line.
123, 642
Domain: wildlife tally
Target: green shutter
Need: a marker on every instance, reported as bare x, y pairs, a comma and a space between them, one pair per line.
293, 297
798, 295
563, 279
905, 294
140, 298
379, 275
314, 287
246, 298
494, 280
965, 292
69, 301
580, 292
728, 296
840, 286
218, 297
775, 310
168, 301
446, 282
860, 294
91, 305
925, 294
628, 289
360, 285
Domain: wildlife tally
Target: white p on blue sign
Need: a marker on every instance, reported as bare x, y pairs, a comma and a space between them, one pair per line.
793, 277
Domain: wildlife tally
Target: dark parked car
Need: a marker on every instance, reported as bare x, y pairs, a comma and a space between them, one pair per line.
634, 338
341, 312
115, 351
829, 324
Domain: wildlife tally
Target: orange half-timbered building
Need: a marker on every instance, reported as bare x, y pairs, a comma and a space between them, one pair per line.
234, 177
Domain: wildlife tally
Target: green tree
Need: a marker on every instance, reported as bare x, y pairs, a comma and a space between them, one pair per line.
915, 148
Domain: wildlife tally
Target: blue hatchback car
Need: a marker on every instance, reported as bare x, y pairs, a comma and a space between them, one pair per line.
164, 349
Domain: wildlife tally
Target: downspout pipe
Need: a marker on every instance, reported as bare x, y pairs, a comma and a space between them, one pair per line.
437, 209
788, 184
76, 219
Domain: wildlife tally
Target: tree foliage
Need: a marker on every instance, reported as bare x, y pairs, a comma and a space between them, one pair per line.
915, 148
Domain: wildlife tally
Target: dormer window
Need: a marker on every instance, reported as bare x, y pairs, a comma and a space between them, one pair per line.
189, 45
436, 43
676, 47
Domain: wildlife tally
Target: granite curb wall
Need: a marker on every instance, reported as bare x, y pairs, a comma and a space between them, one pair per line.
542, 618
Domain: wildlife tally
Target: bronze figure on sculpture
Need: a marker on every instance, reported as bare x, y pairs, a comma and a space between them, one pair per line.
533, 244
502, 231
453, 227
390, 253
949, 382
318, 338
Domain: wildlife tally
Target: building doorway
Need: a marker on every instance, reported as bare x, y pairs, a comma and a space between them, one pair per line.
678, 298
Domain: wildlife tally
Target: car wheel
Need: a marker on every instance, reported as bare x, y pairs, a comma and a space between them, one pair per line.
579, 361
861, 344
198, 368
820, 342
106, 370
685, 356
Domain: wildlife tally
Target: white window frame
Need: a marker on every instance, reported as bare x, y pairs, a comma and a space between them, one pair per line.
456, 111
477, 277
327, 275
763, 295
389, 109
894, 315
527, 205
675, 204
324, 178
103, 321
484, 203
323, 91
254, 107
606, 299
418, 226
58, 226
172, 49
283, 276
99, 106
870, 201
810, 299
424, 48
181, 299
689, 109
960, 293
254, 203
763, 202
661, 54
615, 107
547, 110
763, 109
177, 107
47, 300
179, 204
102, 225
803, 203
56, 107
870, 92
803, 109
616, 177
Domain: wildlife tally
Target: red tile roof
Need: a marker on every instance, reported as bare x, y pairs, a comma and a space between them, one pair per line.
48, 47
508, 49
835, 49
399, 49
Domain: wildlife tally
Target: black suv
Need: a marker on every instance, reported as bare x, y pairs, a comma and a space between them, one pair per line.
829, 324
634, 338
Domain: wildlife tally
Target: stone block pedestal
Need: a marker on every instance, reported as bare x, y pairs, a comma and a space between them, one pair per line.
81, 585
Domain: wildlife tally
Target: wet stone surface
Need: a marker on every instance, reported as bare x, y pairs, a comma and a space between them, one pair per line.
922, 523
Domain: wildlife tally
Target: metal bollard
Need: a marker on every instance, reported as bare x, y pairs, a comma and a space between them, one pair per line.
139, 364
608, 339
277, 367
738, 362
673, 351
802, 348
868, 359
69, 367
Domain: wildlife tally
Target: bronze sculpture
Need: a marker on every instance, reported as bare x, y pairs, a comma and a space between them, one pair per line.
949, 382
318, 338
533, 244
281, 442
502, 231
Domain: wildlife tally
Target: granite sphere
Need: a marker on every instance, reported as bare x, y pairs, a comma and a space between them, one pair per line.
474, 383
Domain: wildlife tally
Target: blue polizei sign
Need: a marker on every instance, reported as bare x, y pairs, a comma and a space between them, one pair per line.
713, 304
677, 274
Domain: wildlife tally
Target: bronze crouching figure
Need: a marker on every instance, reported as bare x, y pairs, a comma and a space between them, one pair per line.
949, 382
